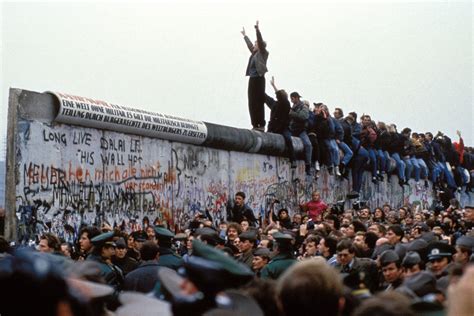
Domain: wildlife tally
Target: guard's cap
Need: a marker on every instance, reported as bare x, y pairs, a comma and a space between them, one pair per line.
163, 233
233, 303
281, 237
89, 290
388, 256
248, 235
380, 249
139, 236
121, 243
466, 242
421, 283
262, 252
411, 258
104, 239
439, 250
140, 304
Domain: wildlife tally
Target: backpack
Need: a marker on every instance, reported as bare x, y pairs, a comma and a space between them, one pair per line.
372, 135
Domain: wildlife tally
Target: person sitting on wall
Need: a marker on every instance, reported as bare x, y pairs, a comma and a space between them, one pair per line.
279, 118
240, 211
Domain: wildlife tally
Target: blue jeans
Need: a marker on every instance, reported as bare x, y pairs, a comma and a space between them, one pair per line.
333, 151
447, 175
308, 148
400, 166
289, 143
423, 167
416, 167
347, 152
358, 165
373, 161
384, 158
408, 167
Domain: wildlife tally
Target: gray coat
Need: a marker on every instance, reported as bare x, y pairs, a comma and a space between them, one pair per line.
144, 278
261, 56
299, 114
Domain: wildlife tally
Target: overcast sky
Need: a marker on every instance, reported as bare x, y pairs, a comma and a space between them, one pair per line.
401, 62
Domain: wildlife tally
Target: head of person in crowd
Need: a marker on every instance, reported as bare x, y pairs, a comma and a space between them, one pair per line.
149, 251
338, 113
379, 215
353, 116
310, 286
121, 248
327, 247
439, 256
402, 213
233, 231
394, 234
381, 126
377, 229
295, 97
104, 246
239, 199
139, 238
392, 218
412, 263
359, 243
150, 232
388, 303
263, 292
266, 243
464, 249
406, 132
365, 120
49, 242
469, 213
261, 257
332, 221
391, 266
247, 241
364, 213
66, 249
164, 237
85, 236
310, 245
345, 252
244, 225
297, 219
418, 218
283, 214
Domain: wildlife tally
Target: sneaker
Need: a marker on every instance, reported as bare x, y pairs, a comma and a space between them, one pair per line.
317, 166
259, 129
330, 170
401, 182
374, 180
342, 168
337, 171
426, 184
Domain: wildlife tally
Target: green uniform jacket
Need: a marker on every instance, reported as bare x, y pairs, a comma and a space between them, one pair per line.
277, 266
169, 259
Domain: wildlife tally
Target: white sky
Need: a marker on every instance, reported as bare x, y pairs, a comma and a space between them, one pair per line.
402, 62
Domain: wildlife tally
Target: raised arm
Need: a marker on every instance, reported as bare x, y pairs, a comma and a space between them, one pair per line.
261, 45
272, 82
247, 40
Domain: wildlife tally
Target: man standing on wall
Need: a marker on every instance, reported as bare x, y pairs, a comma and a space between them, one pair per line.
256, 69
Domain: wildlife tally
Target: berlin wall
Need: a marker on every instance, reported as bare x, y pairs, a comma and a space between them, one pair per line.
69, 165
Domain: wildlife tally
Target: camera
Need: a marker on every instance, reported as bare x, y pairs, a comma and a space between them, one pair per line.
358, 205
338, 208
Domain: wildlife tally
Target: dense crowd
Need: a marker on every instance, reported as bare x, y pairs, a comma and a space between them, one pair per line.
325, 258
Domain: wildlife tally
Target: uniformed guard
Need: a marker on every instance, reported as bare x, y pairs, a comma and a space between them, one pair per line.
246, 246
202, 281
440, 256
103, 251
391, 269
283, 259
168, 258
261, 257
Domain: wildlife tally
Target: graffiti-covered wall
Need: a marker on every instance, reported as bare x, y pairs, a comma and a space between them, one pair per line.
65, 176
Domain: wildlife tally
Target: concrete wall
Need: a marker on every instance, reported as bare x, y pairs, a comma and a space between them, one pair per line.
64, 175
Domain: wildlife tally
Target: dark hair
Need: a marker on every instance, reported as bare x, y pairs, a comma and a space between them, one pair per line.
371, 239
241, 194
397, 230
91, 231
53, 241
149, 250
353, 114
340, 110
345, 244
331, 243
359, 226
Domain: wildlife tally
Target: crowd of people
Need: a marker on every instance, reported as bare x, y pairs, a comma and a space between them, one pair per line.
324, 258
343, 143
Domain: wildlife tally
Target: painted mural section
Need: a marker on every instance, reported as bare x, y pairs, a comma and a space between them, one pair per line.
68, 176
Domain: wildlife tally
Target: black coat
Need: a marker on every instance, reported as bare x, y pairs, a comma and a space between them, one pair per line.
144, 278
279, 118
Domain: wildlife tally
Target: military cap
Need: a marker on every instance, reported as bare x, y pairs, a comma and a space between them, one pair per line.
465, 242
120, 243
380, 249
163, 233
421, 283
139, 236
233, 303
280, 237
429, 237
248, 235
439, 250
103, 239
262, 252
388, 256
206, 231
411, 258
89, 290
140, 304
180, 236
